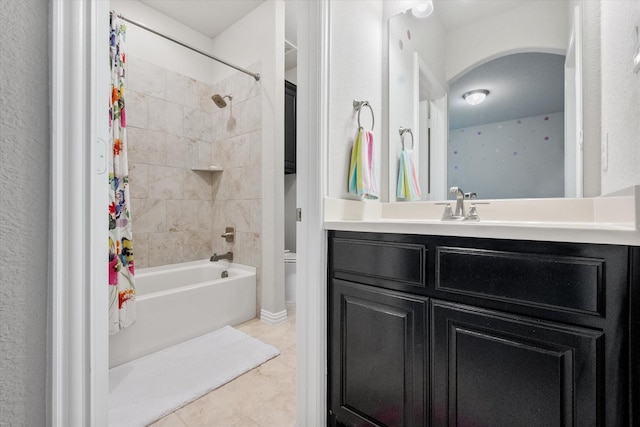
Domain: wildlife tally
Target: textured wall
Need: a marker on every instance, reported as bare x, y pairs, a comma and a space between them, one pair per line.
355, 61
237, 191
520, 158
24, 194
167, 135
620, 94
173, 126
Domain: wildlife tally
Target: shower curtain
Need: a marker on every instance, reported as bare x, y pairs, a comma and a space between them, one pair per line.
122, 310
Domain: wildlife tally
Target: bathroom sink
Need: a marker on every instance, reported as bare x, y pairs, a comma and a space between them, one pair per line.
617, 211
612, 219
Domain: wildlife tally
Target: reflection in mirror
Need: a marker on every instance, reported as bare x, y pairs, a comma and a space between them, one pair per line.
516, 51
497, 147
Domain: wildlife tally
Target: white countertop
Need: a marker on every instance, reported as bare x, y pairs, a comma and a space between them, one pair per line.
608, 220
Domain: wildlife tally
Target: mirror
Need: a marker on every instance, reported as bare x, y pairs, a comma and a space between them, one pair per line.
523, 140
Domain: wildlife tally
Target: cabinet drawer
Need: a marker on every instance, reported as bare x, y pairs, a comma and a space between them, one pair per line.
567, 283
393, 265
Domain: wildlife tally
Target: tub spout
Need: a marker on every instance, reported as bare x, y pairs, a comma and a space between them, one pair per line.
216, 257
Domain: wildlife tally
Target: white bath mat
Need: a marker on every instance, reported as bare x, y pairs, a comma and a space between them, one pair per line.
146, 389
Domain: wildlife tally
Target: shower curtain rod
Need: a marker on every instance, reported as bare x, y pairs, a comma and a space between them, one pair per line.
208, 55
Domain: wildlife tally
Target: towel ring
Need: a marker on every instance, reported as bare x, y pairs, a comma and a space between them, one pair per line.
403, 131
358, 105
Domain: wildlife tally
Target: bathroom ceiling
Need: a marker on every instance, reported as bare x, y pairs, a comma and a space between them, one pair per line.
205, 16
457, 13
520, 85
212, 17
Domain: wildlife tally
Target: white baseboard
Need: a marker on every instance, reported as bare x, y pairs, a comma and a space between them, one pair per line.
273, 318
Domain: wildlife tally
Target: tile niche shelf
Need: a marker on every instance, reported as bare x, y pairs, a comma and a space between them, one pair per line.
208, 169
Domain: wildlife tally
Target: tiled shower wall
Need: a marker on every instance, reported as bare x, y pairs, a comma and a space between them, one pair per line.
173, 126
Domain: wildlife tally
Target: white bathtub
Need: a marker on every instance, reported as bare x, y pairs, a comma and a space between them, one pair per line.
182, 301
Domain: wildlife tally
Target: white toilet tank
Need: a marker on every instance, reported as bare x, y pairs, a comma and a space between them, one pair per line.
290, 277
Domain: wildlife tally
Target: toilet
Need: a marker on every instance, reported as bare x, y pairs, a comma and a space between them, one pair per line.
290, 277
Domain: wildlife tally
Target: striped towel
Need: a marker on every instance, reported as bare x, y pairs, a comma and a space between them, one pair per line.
408, 186
362, 177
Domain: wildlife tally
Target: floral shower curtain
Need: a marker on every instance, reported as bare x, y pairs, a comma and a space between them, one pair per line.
122, 310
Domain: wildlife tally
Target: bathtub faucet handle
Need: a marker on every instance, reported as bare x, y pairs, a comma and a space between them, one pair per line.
229, 234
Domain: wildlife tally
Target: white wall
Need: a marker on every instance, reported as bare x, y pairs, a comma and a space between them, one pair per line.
24, 206
432, 46
355, 67
620, 94
292, 75
541, 25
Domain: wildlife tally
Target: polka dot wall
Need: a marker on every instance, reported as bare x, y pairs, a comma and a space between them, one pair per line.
515, 158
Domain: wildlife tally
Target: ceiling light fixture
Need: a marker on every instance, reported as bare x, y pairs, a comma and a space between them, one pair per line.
475, 97
422, 9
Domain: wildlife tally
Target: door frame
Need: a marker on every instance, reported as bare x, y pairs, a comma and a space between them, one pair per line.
311, 238
438, 125
573, 111
77, 343
77, 379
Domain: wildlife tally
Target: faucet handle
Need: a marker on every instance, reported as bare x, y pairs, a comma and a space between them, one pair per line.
448, 212
229, 234
473, 211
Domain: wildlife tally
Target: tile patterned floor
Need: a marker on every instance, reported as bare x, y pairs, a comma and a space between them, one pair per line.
263, 397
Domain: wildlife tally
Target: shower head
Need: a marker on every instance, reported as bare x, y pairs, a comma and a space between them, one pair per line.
219, 100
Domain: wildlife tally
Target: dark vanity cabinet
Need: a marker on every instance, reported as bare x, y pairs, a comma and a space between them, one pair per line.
289, 127
382, 350
449, 331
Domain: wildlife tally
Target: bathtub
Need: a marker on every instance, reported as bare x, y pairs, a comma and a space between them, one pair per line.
178, 302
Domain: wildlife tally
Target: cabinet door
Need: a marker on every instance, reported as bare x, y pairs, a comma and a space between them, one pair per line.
495, 369
376, 357
289, 127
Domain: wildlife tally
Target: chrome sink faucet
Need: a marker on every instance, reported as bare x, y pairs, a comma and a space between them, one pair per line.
216, 257
457, 191
460, 214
